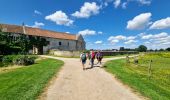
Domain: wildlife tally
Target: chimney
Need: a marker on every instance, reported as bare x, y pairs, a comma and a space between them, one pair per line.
23, 27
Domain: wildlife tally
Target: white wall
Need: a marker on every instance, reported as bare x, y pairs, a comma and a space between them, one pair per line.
54, 44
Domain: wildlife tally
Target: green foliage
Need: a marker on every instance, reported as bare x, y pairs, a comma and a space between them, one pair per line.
18, 60
7, 60
136, 76
22, 44
27, 83
142, 48
168, 49
24, 60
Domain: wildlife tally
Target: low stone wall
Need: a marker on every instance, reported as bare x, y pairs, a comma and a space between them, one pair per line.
114, 53
65, 53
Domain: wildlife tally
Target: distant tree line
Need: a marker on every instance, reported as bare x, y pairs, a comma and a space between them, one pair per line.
143, 48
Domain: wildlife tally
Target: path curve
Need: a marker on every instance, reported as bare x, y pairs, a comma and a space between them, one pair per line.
72, 83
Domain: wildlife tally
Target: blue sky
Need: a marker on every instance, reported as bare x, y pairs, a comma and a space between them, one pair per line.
105, 24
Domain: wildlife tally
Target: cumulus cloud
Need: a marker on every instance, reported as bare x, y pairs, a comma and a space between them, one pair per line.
117, 3
144, 2
60, 18
87, 10
37, 25
131, 38
87, 32
156, 41
161, 24
100, 32
98, 42
130, 41
124, 5
139, 22
118, 38
155, 36
37, 12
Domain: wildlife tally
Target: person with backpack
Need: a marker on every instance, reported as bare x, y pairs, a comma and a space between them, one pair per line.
83, 59
99, 57
92, 58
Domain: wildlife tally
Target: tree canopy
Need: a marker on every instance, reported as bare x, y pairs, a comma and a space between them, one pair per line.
142, 48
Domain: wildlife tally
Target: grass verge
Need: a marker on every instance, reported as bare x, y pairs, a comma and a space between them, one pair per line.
136, 76
27, 83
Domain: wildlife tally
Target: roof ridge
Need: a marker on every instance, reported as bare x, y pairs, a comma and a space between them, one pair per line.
38, 32
37, 28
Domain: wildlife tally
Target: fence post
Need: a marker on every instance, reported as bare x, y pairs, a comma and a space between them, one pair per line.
150, 69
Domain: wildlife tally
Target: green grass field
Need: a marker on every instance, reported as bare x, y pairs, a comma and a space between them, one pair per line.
28, 82
157, 87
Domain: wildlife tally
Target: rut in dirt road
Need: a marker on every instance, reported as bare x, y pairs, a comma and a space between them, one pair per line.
72, 83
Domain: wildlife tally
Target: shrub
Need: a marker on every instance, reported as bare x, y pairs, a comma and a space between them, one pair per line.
18, 60
7, 60
24, 60
1, 56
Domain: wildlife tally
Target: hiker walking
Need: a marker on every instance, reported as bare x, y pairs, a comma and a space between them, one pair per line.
92, 58
88, 55
99, 57
83, 59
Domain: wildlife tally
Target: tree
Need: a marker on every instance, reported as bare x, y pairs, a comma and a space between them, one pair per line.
168, 49
142, 48
161, 49
121, 49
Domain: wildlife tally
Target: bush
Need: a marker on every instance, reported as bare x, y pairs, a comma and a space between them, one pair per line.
18, 60
24, 60
7, 60
1, 56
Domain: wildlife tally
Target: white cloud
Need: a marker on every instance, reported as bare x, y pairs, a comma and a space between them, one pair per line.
87, 10
155, 36
130, 41
124, 5
37, 25
87, 32
98, 42
161, 24
100, 32
117, 3
60, 18
144, 2
67, 32
118, 38
37, 12
131, 37
147, 42
157, 41
139, 22
114, 41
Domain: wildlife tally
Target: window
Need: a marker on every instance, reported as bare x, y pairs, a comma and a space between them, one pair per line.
59, 43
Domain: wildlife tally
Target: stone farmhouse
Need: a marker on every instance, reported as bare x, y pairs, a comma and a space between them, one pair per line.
57, 40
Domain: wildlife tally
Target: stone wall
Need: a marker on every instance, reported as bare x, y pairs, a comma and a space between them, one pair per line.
114, 53
65, 53
66, 45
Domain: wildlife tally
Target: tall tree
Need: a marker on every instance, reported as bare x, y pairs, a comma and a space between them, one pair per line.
168, 49
142, 48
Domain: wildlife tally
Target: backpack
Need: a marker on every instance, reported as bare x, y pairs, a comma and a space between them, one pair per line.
83, 57
93, 55
100, 55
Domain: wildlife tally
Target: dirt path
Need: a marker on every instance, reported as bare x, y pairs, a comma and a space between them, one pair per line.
73, 83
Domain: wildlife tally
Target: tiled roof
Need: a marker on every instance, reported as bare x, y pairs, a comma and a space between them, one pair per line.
36, 32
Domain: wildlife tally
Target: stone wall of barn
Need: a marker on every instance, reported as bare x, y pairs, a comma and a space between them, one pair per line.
60, 44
